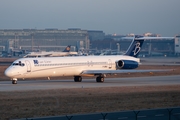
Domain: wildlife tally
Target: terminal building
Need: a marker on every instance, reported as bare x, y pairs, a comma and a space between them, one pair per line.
17, 41
177, 45
43, 40
48, 39
119, 44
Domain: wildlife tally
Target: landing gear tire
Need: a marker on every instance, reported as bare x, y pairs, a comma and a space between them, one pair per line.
14, 81
77, 78
100, 79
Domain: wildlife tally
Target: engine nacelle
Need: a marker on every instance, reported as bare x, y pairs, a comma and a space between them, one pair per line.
126, 64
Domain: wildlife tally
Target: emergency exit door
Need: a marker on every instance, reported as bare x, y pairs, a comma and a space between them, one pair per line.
110, 64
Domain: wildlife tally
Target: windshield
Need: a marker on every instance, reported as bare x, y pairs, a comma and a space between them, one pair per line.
18, 64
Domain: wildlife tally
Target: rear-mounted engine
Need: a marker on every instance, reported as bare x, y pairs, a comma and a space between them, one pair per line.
126, 64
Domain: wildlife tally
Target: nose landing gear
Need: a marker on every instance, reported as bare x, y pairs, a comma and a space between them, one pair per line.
14, 81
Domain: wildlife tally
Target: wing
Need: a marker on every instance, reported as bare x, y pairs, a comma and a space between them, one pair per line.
97, 72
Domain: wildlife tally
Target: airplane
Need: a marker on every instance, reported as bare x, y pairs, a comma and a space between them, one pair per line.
65, 52
79, 66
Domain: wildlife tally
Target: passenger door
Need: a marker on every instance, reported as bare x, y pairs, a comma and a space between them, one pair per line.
28, 64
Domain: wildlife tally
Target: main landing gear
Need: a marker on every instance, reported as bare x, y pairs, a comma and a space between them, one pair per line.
77, 78
14, 81
100, 78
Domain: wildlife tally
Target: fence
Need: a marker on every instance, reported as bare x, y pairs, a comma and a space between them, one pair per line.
151, 114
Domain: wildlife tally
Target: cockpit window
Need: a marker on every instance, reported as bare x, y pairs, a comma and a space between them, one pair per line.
18, 64
15, 64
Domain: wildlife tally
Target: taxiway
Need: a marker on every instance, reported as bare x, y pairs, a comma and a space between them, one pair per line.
89, 83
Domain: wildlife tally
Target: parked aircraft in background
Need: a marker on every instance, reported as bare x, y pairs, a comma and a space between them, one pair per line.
65, 52
78, 66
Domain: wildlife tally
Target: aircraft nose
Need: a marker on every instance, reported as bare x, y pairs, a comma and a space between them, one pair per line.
8, 73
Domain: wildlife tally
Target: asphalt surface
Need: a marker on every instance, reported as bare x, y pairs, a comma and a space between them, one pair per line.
88, 83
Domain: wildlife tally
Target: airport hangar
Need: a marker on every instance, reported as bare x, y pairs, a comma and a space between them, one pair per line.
17, 41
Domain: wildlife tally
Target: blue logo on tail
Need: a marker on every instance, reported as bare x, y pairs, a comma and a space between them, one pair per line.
135, 47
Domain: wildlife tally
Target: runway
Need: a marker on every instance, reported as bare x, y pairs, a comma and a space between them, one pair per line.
88, 83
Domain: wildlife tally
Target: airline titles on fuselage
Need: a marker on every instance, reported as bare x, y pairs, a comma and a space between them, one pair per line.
50, 63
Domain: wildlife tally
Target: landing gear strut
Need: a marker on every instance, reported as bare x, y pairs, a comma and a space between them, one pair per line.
77, 78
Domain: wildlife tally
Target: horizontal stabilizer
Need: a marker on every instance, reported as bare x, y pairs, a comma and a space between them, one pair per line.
153, 38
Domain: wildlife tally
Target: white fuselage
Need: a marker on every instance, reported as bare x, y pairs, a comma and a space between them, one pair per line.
62, 66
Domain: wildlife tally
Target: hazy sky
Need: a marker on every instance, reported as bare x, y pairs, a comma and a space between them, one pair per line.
111, 16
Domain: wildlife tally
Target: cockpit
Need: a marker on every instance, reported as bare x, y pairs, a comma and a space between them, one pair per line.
18, 64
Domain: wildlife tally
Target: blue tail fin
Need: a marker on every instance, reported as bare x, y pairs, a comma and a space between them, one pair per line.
67, 49
135, 46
